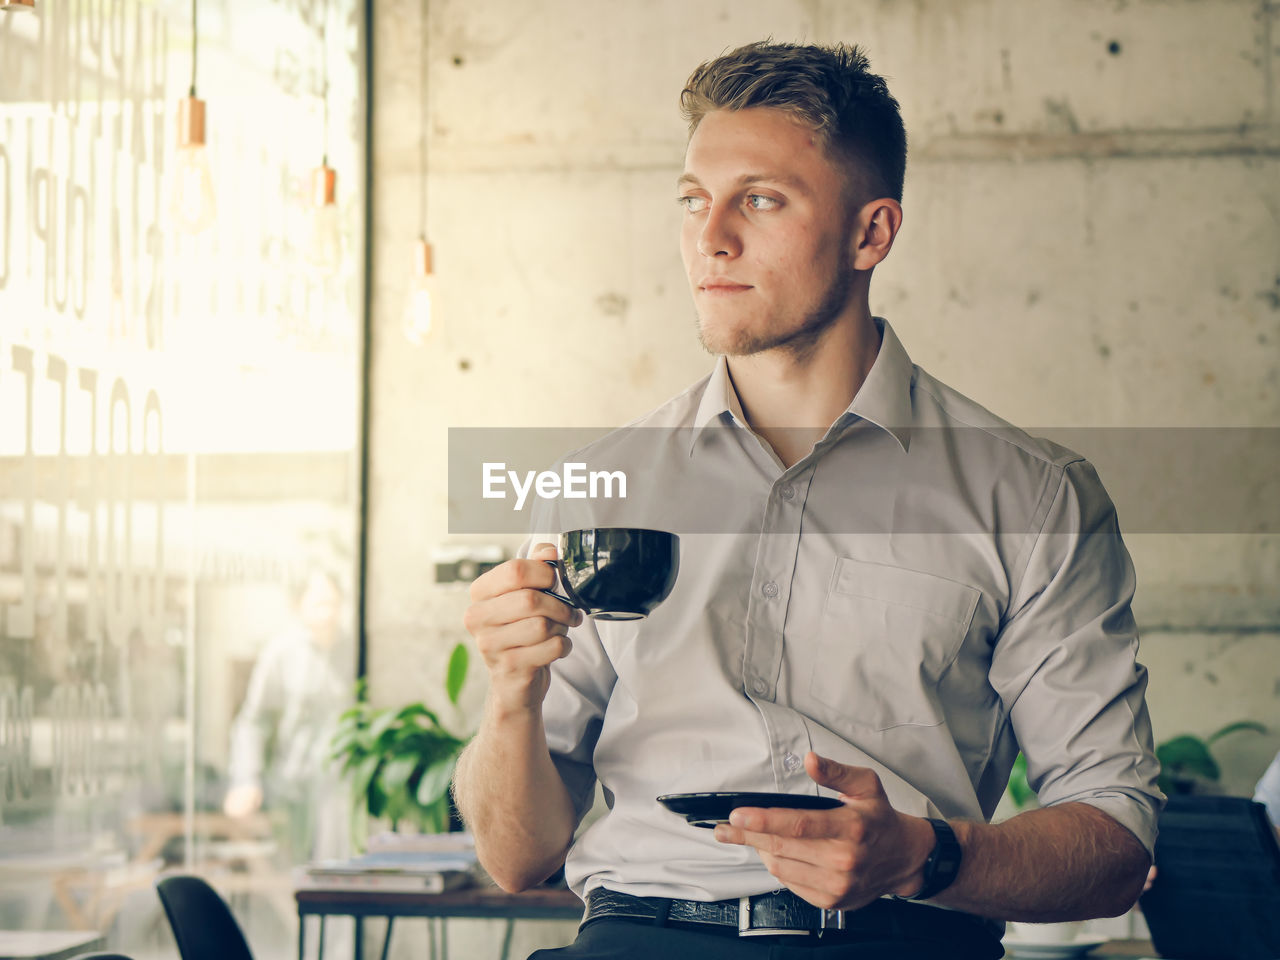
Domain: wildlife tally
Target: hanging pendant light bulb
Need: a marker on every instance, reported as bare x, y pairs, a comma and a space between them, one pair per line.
323, 246
418, 320
192, 203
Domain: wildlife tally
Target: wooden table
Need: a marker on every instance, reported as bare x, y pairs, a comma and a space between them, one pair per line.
543, 903
47, 944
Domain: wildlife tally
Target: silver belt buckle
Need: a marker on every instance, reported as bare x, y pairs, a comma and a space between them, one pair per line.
830, 920
745, 929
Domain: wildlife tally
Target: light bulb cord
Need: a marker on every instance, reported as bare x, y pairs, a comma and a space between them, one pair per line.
324, 73
194, 35
422, 122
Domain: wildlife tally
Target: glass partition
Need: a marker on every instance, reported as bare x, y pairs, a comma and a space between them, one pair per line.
179, 419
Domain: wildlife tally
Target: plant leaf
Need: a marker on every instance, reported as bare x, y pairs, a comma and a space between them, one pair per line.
436, 816
425, 718
396, 773
411, 712
350, 755
362, 781
1185, 755
1235, 727
1019, 790
381, 722
377, 800
456, 675
435, 779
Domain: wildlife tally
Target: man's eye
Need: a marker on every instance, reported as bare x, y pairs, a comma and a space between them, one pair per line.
758, 201
692, 204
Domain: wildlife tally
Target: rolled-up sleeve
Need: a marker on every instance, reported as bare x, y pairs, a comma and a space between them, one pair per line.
1065, 662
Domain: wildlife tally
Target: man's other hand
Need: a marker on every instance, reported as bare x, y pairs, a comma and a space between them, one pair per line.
518, 629
842, 858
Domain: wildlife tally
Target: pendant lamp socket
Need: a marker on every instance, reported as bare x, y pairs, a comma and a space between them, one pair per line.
15, 5
324, 186
190, 123
422, 265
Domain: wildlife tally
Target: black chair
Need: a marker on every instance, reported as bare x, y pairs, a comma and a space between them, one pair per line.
101, 956
201, 920
1216, 894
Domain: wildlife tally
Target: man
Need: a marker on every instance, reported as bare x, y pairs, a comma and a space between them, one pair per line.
907, 591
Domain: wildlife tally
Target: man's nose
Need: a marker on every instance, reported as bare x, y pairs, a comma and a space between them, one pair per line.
719, 236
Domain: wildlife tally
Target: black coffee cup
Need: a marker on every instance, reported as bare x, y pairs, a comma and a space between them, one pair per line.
616, 573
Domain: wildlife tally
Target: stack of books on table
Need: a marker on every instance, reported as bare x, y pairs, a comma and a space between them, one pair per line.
418, 866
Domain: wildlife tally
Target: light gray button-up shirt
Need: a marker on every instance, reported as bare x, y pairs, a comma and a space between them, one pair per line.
926, 592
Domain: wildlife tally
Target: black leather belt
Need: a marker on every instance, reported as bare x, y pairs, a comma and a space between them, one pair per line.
783, 913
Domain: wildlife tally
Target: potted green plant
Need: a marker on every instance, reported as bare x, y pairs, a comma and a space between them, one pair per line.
1186, 762
400, 761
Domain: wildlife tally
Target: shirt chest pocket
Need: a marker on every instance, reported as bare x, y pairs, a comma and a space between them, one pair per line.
886, 637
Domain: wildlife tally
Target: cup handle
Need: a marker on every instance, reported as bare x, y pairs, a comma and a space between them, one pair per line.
572, 601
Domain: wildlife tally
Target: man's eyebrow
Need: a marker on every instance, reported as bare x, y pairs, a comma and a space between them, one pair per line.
747, 179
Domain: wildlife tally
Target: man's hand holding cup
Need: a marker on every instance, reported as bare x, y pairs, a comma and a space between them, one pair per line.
520, 629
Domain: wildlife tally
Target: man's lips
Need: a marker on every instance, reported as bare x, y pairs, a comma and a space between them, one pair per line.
722, 285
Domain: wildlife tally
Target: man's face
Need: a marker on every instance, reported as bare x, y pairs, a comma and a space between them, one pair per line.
319, 607
766, 234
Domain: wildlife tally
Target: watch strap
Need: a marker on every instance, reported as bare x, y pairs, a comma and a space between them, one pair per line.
943, 865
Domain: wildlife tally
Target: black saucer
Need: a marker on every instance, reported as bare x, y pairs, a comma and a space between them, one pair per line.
708, 809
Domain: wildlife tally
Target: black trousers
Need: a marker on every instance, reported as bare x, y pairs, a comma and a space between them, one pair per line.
625, 940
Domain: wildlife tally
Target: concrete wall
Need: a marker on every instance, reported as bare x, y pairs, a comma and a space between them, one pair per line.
1092, 239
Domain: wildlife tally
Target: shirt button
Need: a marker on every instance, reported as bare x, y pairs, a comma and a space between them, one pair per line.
759, 687
792, 762
788, 492
770, 589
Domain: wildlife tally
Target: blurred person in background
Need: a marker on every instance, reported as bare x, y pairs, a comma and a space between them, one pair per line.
280, 738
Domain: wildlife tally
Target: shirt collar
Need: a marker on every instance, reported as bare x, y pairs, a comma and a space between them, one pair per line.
884, 398
718, 398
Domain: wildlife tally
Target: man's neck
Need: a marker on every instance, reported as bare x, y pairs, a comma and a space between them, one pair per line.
791, 401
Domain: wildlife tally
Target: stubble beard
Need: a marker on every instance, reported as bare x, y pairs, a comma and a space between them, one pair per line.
799, 340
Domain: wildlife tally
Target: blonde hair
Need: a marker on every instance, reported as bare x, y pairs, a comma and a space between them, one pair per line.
830, 89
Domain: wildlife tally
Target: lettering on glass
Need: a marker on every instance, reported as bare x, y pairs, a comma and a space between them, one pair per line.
75, 444
20, 619
90, 275
60, 493
17, 712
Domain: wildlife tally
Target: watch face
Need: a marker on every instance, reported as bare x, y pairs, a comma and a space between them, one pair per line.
708, 809
943, 863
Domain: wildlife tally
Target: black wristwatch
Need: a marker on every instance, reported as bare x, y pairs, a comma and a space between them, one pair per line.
943, 863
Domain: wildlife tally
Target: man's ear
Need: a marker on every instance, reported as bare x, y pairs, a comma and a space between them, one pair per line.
875, 227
